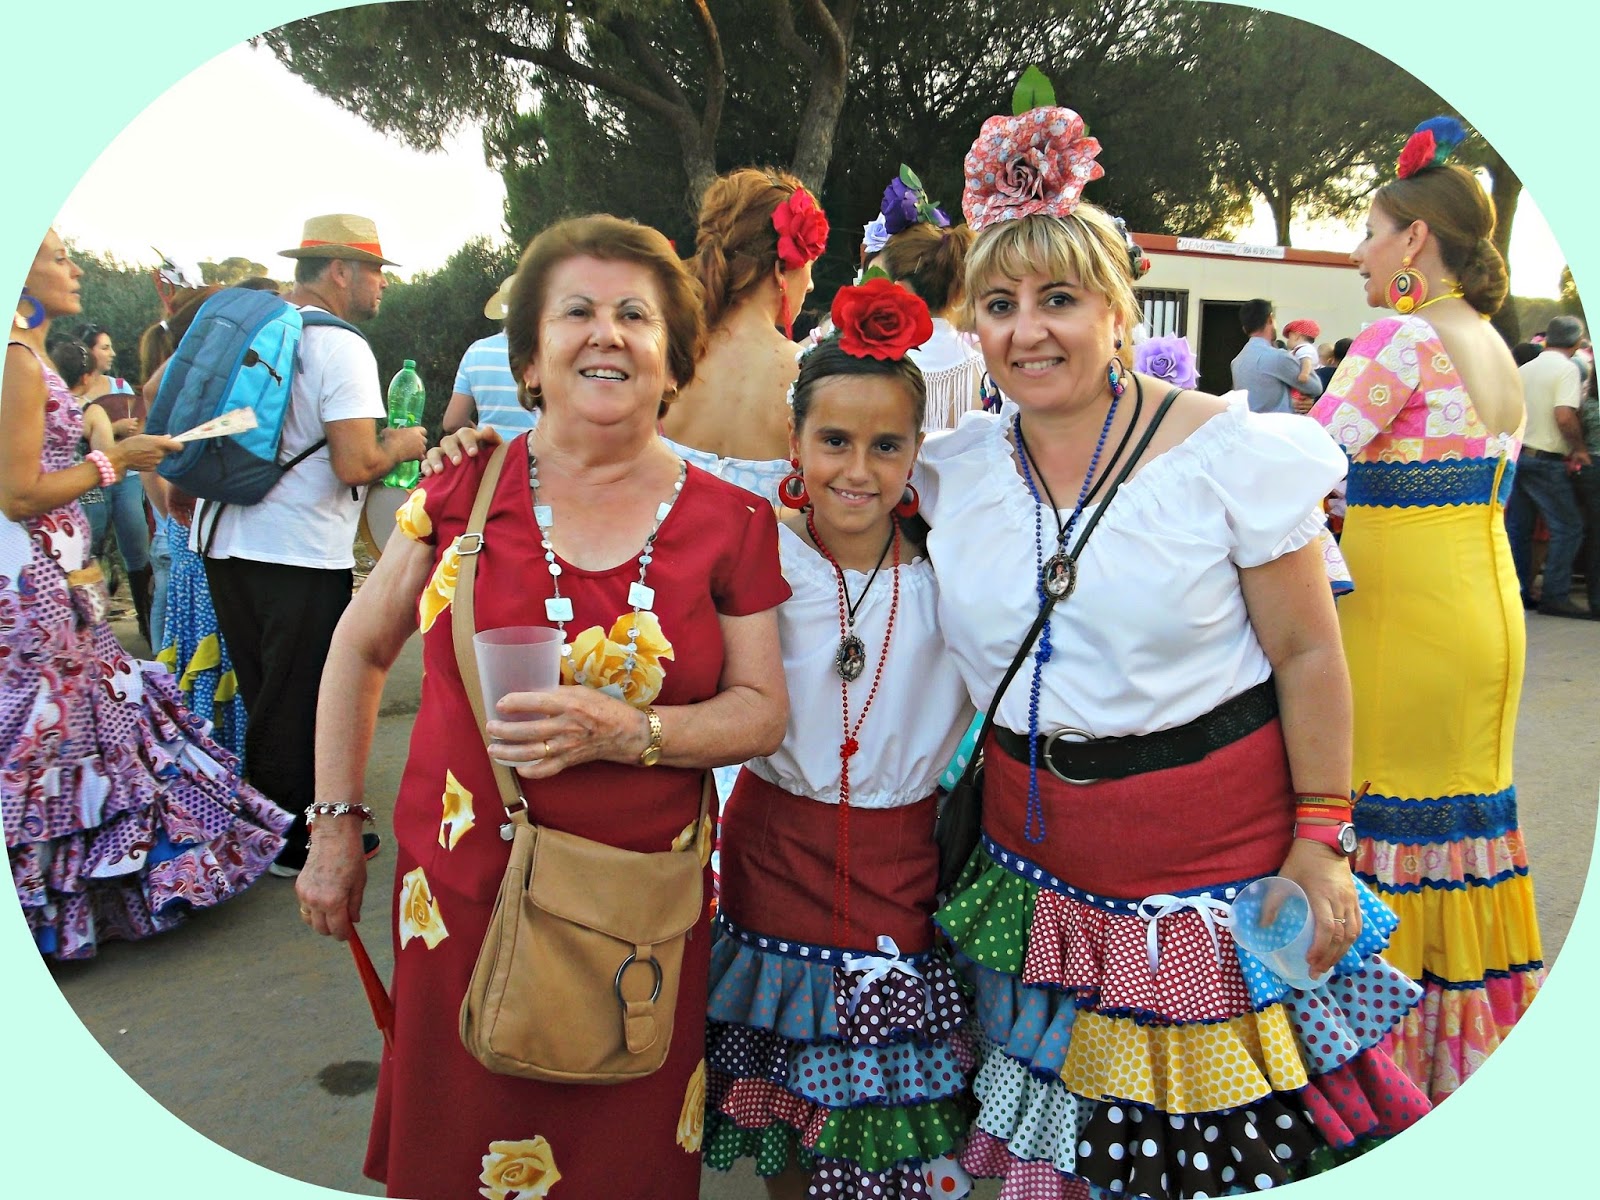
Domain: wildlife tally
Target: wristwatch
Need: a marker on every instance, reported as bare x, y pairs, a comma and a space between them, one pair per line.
1341, 837
651, 754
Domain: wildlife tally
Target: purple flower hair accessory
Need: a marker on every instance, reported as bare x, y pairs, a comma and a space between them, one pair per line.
1167, 357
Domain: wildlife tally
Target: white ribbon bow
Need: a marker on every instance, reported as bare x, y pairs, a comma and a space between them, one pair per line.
1213, 912
880, 966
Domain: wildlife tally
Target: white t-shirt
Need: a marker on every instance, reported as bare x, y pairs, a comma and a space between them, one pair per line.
1549, 382
921, 710
309, 518
1305, 352
1156, 633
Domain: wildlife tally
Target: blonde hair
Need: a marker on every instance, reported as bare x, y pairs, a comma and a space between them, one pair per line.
1086, 246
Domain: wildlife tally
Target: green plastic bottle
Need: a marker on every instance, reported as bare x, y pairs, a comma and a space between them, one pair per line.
406, 400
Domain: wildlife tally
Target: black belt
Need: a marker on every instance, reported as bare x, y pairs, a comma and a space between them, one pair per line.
1086, 761
1529, 451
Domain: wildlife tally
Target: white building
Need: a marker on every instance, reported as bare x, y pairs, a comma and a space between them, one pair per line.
1196, 287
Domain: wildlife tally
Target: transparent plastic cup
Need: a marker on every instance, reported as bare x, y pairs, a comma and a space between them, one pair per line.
517, 658
1281, 943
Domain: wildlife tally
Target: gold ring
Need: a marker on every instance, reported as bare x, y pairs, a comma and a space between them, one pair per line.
544, 751
305, 912
1337, 920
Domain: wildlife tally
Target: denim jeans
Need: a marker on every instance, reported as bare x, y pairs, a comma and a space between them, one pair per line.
98, 514
1542, 486
1586, 485
126, 502
161, 567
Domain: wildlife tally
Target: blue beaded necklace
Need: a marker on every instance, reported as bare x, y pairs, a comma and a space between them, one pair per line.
1054, 579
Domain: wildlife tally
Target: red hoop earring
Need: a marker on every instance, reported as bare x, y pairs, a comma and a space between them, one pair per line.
909, 502
1408, 289
792, 488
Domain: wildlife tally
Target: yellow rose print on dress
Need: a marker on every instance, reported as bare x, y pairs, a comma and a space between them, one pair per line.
599, 661
457, 818
692, 1119
412, 518
518, 1170
441, 589
685, 838
653, 643
419, 911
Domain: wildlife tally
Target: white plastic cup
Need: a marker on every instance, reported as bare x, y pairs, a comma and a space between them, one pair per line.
518, 658
1282, 942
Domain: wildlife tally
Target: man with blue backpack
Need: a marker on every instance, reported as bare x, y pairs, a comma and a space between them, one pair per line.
281, 564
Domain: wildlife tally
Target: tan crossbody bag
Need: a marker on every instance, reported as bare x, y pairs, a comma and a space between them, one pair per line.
577, 979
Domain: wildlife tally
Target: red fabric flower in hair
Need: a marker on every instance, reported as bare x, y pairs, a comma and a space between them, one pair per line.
880, 319
1419, 152
802, 230
1037, 162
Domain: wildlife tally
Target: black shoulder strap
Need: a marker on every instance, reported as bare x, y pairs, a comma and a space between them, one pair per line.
1049, 604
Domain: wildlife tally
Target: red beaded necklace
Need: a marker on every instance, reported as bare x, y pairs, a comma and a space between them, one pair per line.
850, 745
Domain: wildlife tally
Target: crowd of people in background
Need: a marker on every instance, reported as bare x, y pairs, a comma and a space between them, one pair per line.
828, 567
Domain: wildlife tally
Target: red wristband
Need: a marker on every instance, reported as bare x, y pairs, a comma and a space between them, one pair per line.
1321, 812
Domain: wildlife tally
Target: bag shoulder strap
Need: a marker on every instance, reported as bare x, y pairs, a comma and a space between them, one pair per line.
463, 624
1050, 601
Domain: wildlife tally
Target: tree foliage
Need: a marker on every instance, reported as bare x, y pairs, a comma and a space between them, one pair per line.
435, 316
232, 270
1308, 120
118, 297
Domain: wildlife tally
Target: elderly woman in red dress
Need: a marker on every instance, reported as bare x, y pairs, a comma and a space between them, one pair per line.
604, 325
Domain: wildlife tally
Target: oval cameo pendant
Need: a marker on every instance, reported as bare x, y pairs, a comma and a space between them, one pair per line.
851, 658
1060, 576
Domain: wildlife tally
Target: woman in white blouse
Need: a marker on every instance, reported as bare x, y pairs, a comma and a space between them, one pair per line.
1185, 703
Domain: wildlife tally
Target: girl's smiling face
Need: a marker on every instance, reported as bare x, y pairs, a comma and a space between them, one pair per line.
856, 448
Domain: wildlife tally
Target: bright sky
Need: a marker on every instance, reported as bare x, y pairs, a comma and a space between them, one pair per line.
426, 205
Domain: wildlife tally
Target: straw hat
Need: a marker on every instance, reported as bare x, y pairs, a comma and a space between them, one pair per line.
499, 303
340, 235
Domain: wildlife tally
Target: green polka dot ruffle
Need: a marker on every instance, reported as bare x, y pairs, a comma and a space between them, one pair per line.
990, 914
772, 1147
877, 1138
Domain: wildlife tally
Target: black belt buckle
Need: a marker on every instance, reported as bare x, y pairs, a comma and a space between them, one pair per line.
1049, 753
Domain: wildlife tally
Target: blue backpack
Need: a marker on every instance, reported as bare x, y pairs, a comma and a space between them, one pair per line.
240, 352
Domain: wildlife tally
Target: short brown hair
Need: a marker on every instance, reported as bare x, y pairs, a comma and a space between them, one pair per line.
736, 243
931, 261
610, 239
1085, 245
1460, 216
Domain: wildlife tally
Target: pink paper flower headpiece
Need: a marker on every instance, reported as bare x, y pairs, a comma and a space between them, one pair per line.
1035, 162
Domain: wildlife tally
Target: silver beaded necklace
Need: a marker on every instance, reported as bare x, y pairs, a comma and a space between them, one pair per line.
641, 598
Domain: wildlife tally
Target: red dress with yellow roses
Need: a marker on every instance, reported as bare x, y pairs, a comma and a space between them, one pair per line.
444, 1127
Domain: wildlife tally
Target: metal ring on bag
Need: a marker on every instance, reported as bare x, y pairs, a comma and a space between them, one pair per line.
628, 962
1049, 745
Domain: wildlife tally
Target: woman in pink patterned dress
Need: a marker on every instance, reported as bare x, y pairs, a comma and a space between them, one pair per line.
1427, 405
121, 814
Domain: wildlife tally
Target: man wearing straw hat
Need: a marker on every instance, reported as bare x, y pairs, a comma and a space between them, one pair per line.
281, 570
485, 391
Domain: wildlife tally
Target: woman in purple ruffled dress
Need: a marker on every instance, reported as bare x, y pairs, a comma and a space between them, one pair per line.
121, 814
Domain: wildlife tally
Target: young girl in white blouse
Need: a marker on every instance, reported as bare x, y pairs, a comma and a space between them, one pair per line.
834, 1058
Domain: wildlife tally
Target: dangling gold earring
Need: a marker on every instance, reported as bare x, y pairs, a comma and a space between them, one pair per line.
1407, 288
